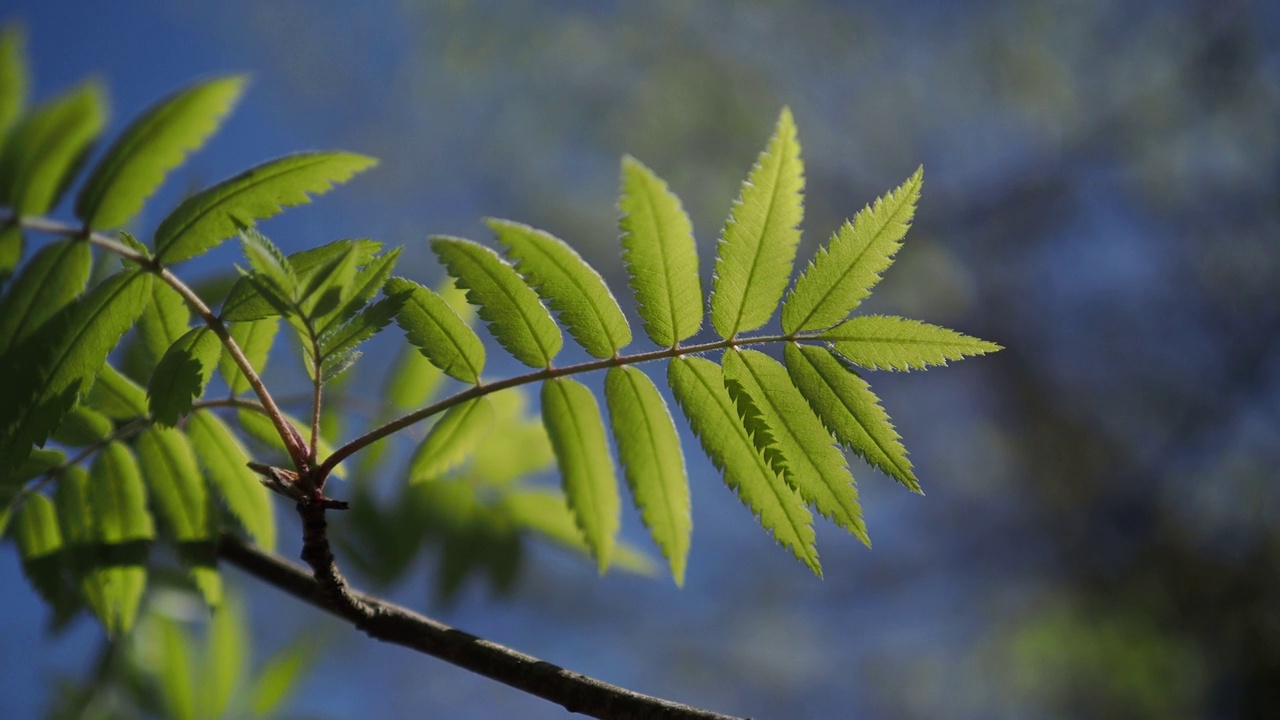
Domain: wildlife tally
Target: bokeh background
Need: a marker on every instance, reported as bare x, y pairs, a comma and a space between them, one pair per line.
1101, 531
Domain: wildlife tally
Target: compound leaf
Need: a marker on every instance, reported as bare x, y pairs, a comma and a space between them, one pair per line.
180, 377
569, 285
51, 280
255, 338
843, 273
516, 318
116, 396
165, 319
44, 149
649, 450
885, 342
814, 466
150, 147
758, 246
169, 468
207, 218
845, 404
572, 419
660, 255
699, 390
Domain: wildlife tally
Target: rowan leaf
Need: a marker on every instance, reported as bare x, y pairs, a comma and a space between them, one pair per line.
573, 289
313, 268
260, 427
885, 342
758, 246
814, 466
225, 666
180, 377
356, 292
843, 273
452, 441
699, 391
14, 77
431, 325
545, 512
46, 147
224, 460
255, 338
116, 396
211, 216
413, 380
270, 266
653, 463
511, 308
174, 482
51, 280
40, 545
165, 319
660, 255
847, 407
82, 427
577, 433
152, 145
524, 437
366, 323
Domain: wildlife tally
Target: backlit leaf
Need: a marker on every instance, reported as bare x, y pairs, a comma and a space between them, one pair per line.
224, 460
165, 319
882, 342
209, 217
452, 440
150, 147
843, 273
814, 466
14, 76
660, 255
169, 467
436, 330
545, 512
649, 450
699, 390
46, 147
180, 377
269, 264
573, 289
366, 323
511, 308
850, 410
573, 422
255, 338
260, 427
50, 281
82, 427
116, 396
758, 246
359, 290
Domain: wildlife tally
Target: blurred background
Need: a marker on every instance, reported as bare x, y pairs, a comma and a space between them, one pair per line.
1101, 531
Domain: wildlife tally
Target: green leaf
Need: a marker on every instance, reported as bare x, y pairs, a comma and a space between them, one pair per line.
14, 76
279, 676
849, 409
224, 461
171, 656
884, 342
225, 666
545, 511
169, 467
367, 323
452, 440
39, 539
758, 246
699, 391
516, 318
649, 450
660, 255
45, 148
207, 218
116, 396
359, 290
100, 319
527, 448
436, 330
104, 517
150, 147
11, 241
82, 427
52, 279
569, 285
814, 466
573, 423
269, 264
255, 339
314, 268
165, 320
181, 376
413, 379
842, 274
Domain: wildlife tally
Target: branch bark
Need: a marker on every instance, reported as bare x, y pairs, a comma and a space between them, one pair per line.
391, 623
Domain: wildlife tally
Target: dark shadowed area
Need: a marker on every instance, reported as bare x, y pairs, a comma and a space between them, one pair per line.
1100, 535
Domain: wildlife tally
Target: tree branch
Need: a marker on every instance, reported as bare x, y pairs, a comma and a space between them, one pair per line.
391, 623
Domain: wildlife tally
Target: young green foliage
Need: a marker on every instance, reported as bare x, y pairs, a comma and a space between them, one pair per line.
181, 375
44, 149
225, 463
432, 326
452, 440
879, 342
758, 245
14, 80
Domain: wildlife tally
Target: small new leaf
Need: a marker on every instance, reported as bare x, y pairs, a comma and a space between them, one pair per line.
569, 285
150, 147
758, 246
882, 342
660, 255
269, 264
207, 218
516, 318
843, 273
